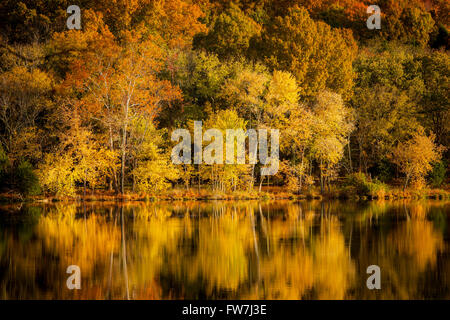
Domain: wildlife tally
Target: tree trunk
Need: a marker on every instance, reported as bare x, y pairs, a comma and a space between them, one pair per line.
406, 182
122, 182
350, 154
321, 177
84, 185
198, 178
134, 176
300, 178
113, 180
124, 142
252, 182
360, 155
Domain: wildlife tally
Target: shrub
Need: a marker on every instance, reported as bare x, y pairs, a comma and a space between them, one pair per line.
377, 189
57, 176
27, 181
359, 184
437, 175
21, 178
385, 170
3, 167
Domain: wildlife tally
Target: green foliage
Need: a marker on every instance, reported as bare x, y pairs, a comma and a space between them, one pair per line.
385, 170
360, 185
411, 25
3, 161
3, 168
438, 174
434, 110
230, 35
388, 90
27, 180
201, 76
21, 177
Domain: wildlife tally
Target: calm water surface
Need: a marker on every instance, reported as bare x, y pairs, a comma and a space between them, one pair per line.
226, 250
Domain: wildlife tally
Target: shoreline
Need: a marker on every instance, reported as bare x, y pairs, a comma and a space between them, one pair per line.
208, 195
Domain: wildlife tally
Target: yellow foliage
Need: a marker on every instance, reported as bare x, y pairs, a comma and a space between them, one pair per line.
416, 156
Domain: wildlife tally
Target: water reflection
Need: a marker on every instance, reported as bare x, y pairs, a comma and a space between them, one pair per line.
225, 250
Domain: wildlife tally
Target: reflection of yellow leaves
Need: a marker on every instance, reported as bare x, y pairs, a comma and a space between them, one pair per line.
222, 246
219, 249
78, 241
155, 237
333, 268
289, 273
418, 211
417, 239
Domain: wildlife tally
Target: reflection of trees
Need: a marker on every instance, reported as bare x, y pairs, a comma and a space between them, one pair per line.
222, 252
417, 240
286, 270
411, 249
333, 268
59, 240
303, 265
405, 252
152, 246
244, 249
80, 241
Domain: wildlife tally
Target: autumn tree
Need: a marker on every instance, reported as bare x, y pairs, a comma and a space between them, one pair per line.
24, 97
152, 169
386, 97
94, 106
295, 121
332, 124
176, 21
200, 77
318, 56
119, 83
433, 109
25, 21
79, 158
225, 177
138, 88
415, 157
230, 34
246, 93
297, 129
407, 21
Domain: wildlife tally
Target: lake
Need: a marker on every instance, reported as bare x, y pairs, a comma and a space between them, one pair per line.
226, 250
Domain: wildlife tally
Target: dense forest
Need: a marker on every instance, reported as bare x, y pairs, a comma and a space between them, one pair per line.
93, 109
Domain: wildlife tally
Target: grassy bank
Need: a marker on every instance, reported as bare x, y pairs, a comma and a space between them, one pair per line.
267, 193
